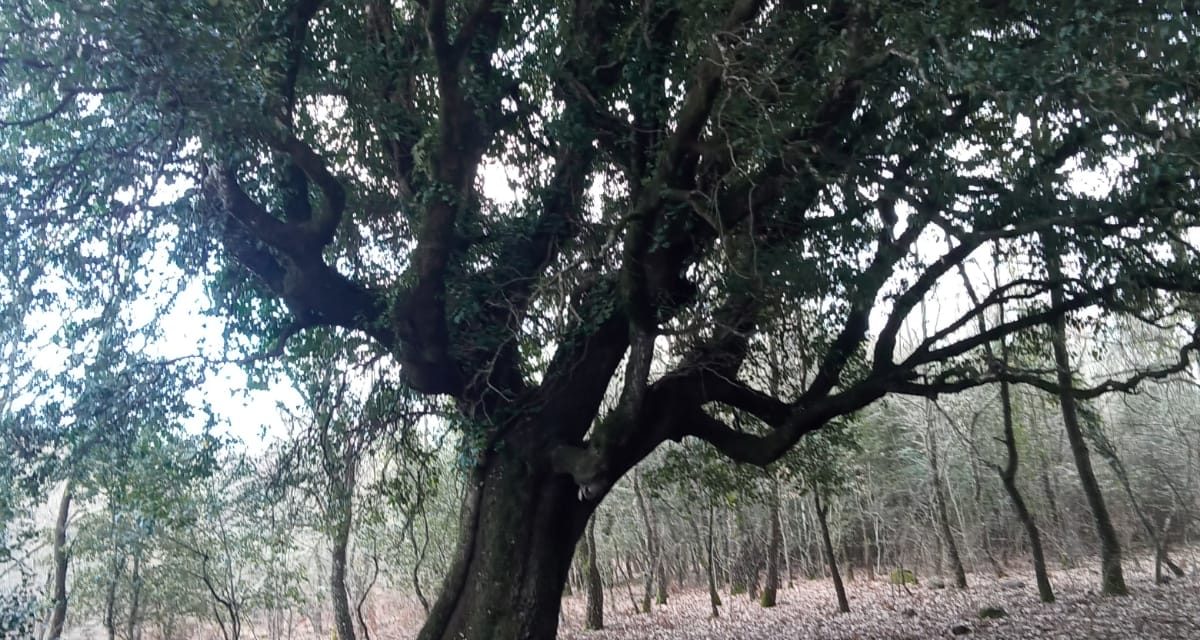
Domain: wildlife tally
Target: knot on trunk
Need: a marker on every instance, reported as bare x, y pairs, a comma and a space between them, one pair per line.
586, 466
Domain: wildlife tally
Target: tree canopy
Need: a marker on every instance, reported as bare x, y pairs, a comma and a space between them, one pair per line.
531, 206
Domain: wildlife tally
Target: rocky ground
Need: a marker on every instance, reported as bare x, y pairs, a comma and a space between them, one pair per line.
878, 610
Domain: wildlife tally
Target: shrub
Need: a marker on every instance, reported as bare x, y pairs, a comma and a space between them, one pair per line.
902, 577
20, 611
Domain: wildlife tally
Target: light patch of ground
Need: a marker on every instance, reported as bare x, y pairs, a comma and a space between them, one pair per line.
880, 611
808, 611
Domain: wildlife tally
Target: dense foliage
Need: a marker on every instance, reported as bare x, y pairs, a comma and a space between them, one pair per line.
586, 226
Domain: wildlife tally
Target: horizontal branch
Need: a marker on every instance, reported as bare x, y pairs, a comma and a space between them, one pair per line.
946, 385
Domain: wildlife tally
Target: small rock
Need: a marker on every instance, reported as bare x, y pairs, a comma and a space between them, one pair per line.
960, 629
992, 613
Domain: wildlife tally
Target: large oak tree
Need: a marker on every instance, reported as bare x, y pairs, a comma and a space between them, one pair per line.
681, 175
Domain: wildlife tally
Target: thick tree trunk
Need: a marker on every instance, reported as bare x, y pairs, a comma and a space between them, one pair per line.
58, 615
772, 586
822, 512
343, 619
1112, 577
519, 529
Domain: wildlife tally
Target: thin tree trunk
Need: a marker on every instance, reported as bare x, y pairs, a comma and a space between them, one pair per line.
744, 572
866, 547
772, 586
1008, 473
653, 564
787, 547
132, 632
1008, 477
714, 598
660, 594
58, 615
822, 513
595, 588
943, 517
939, 493
362, 599
1157, 538
419, 551
110, 600
342, 616
1112, 577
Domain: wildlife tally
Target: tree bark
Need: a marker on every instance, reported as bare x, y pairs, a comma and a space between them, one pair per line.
58, 615
831, 557
132, 628
419, 557
714, 598
772, 585
340, 539
1112, 578
520, 526
595, 588
660, 594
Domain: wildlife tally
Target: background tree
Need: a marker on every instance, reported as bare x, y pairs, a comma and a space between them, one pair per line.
820, 463
346, 415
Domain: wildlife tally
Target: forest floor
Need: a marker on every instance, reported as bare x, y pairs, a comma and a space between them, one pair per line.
878, 610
